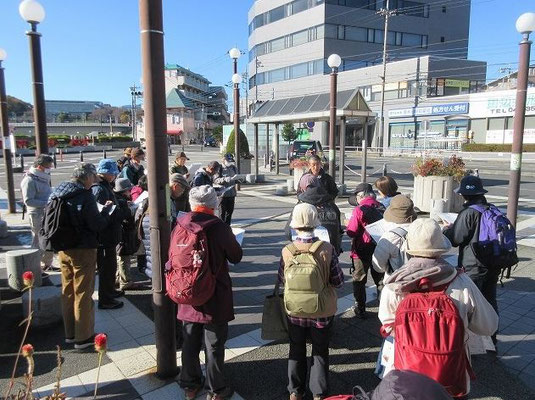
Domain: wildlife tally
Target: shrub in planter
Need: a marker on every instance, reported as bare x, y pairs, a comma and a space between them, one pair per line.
453, 166
244, 146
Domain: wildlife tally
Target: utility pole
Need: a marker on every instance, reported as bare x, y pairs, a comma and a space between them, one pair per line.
135, 93
382, 139
257, 64
152, 55
246, 78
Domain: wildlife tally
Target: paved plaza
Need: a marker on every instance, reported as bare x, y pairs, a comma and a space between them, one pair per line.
256, 368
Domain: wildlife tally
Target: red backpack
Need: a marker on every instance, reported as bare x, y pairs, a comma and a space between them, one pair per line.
188, 275
429, 339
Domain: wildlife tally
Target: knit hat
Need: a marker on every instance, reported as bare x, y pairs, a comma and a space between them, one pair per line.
204, 196
178, 178
471, 186
304, 215
425, 239
400, 210
107, 166
362, 187
122, 184
308, 180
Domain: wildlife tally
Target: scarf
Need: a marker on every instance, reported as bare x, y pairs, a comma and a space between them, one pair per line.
203, 209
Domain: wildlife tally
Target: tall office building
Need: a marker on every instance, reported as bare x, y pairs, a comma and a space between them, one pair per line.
290, 41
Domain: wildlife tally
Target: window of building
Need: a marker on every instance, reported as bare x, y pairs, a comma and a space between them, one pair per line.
442, 39
276, 14
443, 9
403, 134
399, 35
341, 32
348, 65
478, 127
529, 122
277, 44
331, 31
320, 31
411, 39
358, 34
299, 70
379, 36
371, 35
496, 124
299, 5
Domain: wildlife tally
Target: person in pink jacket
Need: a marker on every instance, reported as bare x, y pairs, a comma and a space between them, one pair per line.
367, 211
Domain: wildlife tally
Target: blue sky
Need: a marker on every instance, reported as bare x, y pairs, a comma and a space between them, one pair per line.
91, 48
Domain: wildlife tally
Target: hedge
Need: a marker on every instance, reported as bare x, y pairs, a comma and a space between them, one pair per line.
497, 148
108, 139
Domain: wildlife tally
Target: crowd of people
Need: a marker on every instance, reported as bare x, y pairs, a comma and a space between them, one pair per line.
108, 223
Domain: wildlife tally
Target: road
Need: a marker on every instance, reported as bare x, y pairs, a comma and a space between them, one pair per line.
494, 174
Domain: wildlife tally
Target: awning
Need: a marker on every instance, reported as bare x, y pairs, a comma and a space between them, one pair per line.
350, 104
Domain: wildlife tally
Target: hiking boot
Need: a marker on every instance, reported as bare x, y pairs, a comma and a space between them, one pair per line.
118, 293
191, 393
85, 343
111, 306
223, 395
141, 263
295, 396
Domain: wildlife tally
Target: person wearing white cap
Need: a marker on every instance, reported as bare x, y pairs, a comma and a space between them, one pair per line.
301, 324
427, 271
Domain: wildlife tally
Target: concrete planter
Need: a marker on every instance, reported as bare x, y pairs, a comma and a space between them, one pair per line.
431, 188
245, 166
298, 173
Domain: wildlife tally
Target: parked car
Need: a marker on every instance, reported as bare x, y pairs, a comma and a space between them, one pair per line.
210, 141
305, 148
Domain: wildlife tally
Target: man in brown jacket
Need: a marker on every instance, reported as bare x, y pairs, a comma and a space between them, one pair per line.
209, 321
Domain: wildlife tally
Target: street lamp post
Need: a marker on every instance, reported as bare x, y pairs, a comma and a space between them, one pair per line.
5, 134
152, 54
334, 62
235, 54
33, 13
236, 80
525, 24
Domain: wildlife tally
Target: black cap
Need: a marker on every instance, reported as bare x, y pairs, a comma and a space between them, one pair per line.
361, 187
471, 186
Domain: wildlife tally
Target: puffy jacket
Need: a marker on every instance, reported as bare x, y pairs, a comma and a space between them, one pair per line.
202, 178
362, 245
111, 236
36, 190
145, 226
129, 242
178, 169
90, 221
477, 314
133, 172
388, 249
222, 248
328, 213
223, 183
464, 232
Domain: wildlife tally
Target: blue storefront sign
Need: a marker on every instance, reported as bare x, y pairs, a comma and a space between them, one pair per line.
431, 110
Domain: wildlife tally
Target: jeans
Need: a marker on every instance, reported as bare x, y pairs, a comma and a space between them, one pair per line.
359, 274
214, 336
77, 286
107, 269
297, 362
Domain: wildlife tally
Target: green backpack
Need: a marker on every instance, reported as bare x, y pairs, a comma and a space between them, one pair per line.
307, 293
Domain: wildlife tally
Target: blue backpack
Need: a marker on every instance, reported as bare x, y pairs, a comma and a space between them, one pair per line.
496, 246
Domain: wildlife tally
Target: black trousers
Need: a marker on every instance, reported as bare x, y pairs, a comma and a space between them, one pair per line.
297, 361
359, 275
488, 284
227, 208
107, 269
214, 336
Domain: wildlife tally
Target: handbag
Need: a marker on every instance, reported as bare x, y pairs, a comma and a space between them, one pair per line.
274, 320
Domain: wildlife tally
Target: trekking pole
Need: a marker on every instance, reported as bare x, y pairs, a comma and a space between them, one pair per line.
22, 162
384, 169
104, 155
55, 160
61, 154
81, 156
364, 161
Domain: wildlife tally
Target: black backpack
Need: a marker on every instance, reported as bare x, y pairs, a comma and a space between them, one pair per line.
60, 229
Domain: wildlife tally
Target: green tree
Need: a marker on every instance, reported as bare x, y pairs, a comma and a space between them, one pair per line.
17, 107
62, 117
244, 145
124, 118
289, 133
217, 133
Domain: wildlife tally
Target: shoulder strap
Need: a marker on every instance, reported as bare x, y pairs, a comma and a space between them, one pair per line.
292, 248
315, 246
479, 207
399, 231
